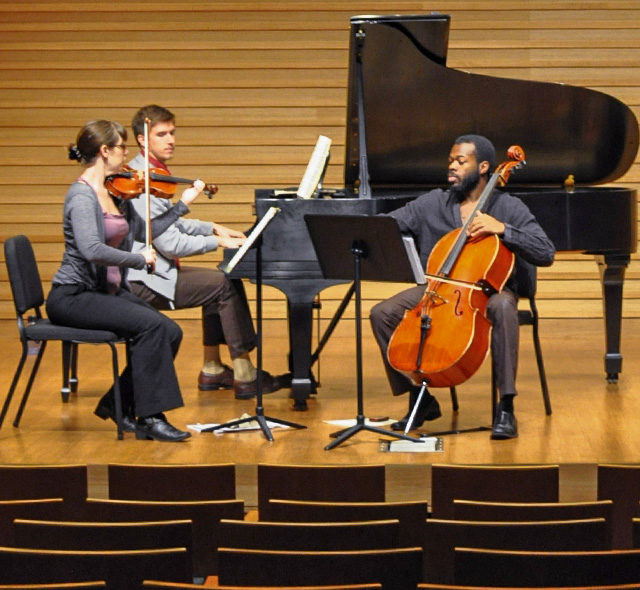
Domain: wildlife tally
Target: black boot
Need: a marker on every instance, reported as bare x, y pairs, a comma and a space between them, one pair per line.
505, 425
158, 428
429, 409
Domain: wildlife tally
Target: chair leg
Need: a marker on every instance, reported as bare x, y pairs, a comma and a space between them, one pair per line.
541, 371
16, 378
32, 377
65, 391
73, 378
116, 390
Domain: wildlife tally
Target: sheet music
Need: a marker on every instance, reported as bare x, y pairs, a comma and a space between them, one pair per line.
315, 168
251, 238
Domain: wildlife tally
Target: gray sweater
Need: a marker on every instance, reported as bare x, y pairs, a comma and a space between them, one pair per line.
86, 254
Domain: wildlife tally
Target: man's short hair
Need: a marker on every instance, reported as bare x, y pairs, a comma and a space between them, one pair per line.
156, 114
484, 149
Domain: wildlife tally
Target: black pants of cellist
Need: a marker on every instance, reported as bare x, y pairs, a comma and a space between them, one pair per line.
502, 311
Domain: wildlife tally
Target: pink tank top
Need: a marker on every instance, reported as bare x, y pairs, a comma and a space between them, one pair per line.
115, 229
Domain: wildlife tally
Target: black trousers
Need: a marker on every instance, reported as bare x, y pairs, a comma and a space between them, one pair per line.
502, 311
225, 312
149, 384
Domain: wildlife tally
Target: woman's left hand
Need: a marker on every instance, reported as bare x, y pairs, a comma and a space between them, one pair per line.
191, 194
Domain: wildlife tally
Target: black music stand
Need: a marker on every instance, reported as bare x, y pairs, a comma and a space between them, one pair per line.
378, 253
255, 240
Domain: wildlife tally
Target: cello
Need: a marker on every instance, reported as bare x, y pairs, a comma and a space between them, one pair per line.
444, 339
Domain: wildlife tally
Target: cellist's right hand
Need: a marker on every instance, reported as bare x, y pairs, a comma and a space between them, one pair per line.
149, 259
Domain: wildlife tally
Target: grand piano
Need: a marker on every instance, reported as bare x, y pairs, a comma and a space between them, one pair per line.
405, 107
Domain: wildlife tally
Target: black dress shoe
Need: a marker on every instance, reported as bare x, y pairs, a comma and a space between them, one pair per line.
429, 410
157, 428
104, 411
504, 426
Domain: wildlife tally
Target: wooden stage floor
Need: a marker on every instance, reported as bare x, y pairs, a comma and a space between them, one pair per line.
592, 422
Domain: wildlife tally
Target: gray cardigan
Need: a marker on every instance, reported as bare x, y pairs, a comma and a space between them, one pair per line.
86, 254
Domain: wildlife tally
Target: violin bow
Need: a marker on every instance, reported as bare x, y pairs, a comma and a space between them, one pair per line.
147, 188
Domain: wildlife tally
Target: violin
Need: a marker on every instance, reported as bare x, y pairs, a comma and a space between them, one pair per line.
444, 339
130, 183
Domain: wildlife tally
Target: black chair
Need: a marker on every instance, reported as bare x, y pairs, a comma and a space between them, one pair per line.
527, 276
28, 295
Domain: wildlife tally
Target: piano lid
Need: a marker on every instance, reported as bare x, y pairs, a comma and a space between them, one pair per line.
415, 107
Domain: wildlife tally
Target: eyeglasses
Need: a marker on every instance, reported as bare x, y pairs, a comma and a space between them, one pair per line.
121, 145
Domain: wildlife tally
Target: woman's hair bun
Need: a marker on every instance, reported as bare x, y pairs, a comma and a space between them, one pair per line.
74, 153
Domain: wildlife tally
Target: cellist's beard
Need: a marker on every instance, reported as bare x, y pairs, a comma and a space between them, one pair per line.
461, 189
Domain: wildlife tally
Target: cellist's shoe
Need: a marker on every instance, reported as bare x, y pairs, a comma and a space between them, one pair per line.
505, 425
429, 410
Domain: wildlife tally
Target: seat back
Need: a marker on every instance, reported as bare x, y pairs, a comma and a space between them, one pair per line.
323, 483
309, 536
621, 484
37, 509
540, 569
102, 536
172, 483
443, 536
411, 515
205, 518
71, 586
169, 586
121, 570
26, 285
395, 569
526, 277
521, 511
512, 483
22, 482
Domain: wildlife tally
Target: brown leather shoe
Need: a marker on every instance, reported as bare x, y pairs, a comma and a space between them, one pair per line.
248, 389
224, 380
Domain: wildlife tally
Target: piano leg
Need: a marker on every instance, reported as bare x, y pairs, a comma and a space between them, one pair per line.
612, 268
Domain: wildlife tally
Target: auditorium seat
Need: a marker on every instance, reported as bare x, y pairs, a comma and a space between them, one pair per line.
394, 569
205, 516
533, 569
411, 515
323, 483
309, 536
121, 570
496, 483
42, 509
443, 536
169, 586
172, 483
23, 482
523, 511
621, 484
71, 586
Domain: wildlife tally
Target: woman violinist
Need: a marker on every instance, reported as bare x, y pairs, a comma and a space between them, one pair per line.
430, 217
90, 289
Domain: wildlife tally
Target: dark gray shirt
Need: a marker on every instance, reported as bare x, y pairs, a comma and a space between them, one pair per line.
87, 256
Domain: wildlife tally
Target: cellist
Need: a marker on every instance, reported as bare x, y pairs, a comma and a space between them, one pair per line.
428, 218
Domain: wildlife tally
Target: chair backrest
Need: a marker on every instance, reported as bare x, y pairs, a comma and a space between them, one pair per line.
172, 483
309, 536
425, 586
102, 536
395, 569
323, 483
205, 516
621, 484
411, 515
443, 536
526, 277
170, 586
37, 509
22, 482
522, 511
539, 569
498, 483
24, 277
121, 570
